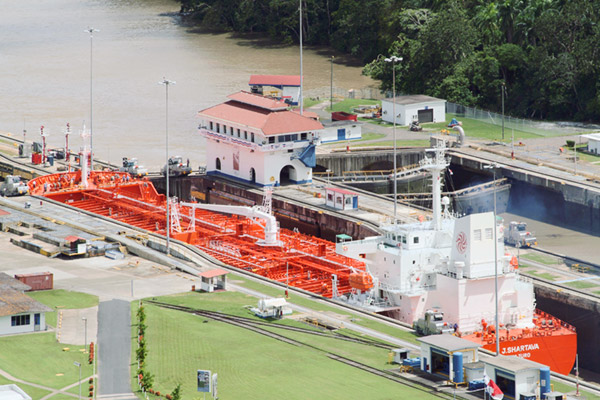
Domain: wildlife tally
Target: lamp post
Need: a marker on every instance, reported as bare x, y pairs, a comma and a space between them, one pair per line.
300, 99
493, 167
167, 82
75, 363
91, 32
85, 334
503, 89
393, 60
331, 89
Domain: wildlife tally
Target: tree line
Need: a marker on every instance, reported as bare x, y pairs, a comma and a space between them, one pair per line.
545, 53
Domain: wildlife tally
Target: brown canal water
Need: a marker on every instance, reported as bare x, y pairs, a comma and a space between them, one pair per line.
45, 74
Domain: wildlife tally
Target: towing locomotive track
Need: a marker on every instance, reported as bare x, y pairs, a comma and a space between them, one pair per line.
258, 327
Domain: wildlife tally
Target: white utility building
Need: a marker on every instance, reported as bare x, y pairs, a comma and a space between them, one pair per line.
445, 355
518, 378
414, 108
339, 131
257, 139
19, 313
593, 142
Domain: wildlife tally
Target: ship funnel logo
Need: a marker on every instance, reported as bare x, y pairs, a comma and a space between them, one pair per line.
461, 243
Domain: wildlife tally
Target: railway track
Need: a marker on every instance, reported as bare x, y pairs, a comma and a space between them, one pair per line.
259, 327
244, 321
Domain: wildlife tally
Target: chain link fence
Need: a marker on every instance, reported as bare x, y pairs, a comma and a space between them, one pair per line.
542, 128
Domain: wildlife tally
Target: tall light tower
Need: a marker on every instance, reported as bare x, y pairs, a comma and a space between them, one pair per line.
493, 167
300, 99
91, 32
393, 60
331, 89
167, 82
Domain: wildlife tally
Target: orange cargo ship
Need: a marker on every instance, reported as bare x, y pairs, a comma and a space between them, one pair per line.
303, 261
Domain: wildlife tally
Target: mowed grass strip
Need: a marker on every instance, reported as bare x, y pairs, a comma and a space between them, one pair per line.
541, 258
38, 358
63, 300
355, 318
253, 366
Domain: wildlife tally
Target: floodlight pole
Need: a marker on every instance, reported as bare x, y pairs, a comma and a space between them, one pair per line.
167, 82
331, 90
300, 99
91, 32
503, 88
77, 364
493, 167
393, 60
85, 334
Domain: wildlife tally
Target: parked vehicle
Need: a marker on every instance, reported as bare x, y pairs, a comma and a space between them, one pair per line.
176, 167
13, 186
415, 127
432, 324
131, 165
518, 235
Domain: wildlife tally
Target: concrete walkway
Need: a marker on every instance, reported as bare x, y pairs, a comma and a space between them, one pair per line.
114, 356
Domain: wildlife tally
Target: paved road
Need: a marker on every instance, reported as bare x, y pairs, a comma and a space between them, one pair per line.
114, 357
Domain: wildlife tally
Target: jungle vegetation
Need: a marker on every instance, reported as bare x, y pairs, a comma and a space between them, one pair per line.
545, 52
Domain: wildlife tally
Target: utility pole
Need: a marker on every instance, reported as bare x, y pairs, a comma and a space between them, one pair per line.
167, 82
91, 32
331, 89
503, 88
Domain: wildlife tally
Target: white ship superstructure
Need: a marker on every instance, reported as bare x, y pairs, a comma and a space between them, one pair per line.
446, 264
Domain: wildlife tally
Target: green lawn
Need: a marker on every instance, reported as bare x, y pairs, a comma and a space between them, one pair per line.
62, 300
588, 157
544, 275
540, 258
252, 366
309, 102
317, 306
39, 358
581, 284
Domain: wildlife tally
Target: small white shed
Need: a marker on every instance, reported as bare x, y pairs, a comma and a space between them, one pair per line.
341, 199
593, 142
414, 108
337, 131
444, 355
214, 279
518, 378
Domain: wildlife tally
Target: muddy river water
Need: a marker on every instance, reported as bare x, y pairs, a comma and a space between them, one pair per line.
45, 74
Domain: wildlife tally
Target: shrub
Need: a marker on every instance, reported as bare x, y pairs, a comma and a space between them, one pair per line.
570, 143
91, 380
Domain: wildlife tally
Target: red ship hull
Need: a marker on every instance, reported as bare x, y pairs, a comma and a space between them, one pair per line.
551, 342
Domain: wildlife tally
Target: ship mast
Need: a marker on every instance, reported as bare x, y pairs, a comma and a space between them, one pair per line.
436, 165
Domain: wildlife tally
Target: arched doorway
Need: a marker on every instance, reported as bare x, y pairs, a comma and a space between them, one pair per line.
218, 164
287, 175
252, 175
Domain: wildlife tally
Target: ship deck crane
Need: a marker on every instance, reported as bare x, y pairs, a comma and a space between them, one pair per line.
270, 223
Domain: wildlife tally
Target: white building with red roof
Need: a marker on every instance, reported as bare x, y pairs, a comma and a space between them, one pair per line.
287, 86
257, 139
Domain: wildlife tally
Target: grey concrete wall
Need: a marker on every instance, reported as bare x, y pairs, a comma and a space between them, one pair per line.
340, 162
